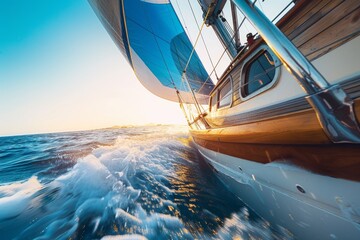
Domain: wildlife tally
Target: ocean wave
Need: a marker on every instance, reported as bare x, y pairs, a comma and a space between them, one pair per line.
16, 196
145, 186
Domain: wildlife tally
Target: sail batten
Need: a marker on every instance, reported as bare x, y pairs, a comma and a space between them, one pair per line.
151, 37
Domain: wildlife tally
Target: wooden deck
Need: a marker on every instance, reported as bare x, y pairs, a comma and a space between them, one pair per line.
319, 26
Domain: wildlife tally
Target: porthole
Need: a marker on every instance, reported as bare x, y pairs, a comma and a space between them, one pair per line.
300, 188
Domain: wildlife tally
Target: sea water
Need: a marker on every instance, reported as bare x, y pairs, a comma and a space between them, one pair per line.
117, 183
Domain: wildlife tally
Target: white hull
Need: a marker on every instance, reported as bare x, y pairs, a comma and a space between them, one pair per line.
329, 208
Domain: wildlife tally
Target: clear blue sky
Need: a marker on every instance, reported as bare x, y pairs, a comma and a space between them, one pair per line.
59, 71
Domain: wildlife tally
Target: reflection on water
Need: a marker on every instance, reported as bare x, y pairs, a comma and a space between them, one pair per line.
143, 182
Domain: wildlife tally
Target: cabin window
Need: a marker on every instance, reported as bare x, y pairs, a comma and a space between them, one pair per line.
258, 74
213, 102
225, 94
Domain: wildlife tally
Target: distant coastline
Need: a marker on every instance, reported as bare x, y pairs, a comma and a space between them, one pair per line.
95, 129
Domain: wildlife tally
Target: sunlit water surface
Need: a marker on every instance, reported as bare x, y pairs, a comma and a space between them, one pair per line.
117, 183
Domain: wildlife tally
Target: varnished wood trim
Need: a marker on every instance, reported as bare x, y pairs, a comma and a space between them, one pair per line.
297, 138
313, 53
333, 35
335, 160
296, 128
293, 17
315, 19
357, 111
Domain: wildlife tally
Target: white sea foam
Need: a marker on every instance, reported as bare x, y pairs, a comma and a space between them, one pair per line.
98, 186
124, 237
15, 197
104, 187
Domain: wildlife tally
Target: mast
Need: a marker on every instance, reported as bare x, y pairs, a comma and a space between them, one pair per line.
219, 24
235, 25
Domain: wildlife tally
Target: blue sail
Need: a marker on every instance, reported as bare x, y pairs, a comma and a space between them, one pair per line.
151, 37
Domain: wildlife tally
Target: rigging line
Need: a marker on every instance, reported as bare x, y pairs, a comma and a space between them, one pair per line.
261, 6
181, 102
192, 93
281, 12
197, 38
183, 19
200, 82
176, 52
243, 49
182, 79
188, 62
202, 38
223, 53
178, 56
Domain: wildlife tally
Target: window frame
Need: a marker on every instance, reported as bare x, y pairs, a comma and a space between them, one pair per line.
228, 79
245, 67
214, 96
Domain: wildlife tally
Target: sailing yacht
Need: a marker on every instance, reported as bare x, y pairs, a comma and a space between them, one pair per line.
281, 125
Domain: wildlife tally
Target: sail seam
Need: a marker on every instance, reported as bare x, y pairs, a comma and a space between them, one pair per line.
162, 55
127, 34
